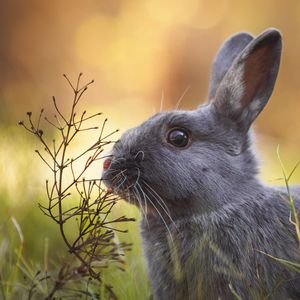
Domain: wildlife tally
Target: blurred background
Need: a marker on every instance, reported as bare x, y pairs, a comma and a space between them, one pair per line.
138, 52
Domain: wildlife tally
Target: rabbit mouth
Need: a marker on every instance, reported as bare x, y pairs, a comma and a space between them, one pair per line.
125, 178
130, 185
125, 185
120, 181
121, 174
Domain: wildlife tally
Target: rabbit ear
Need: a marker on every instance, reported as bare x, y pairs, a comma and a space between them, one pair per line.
224, 59
249, 82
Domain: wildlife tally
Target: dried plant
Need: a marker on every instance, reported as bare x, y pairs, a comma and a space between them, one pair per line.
80, 203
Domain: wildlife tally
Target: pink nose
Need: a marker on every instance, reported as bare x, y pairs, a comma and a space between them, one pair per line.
106, 164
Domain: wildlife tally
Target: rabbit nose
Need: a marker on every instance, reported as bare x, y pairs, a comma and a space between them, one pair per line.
107, 164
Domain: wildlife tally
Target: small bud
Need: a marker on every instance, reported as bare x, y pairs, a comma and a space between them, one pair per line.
40, 132
21, 123
82, 269
29, 113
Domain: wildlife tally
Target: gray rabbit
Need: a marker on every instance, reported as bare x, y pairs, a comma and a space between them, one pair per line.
210, 226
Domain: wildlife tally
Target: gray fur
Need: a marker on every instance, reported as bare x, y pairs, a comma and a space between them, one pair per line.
225, 57
209, 223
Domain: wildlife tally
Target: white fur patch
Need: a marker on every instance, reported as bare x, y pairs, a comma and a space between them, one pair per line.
255, 105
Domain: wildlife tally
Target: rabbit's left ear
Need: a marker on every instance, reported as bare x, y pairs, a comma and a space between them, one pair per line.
231, 48
249, 82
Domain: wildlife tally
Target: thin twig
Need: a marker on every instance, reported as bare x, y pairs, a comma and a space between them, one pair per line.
94, 244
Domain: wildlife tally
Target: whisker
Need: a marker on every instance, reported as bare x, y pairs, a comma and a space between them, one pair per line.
116, 160
120, 173
162, 218
112, 179
162, 100
182, 96
124, 180
128, 195
136, 185
162, 204
138, 177
114, 170
139, 199
146, 204
137, 194
158, 197
143, 153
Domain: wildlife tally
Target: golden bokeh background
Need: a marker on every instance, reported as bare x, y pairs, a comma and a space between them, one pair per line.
138, 52
135, 50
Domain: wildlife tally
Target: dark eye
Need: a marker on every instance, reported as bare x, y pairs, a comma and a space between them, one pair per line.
178, 138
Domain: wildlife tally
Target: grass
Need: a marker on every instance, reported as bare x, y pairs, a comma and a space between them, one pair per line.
294, 216
287, 177
33, 247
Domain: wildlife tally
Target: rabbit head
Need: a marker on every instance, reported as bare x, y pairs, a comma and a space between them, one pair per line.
182, 162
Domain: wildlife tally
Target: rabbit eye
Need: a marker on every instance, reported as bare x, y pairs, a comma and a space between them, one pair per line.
178, 138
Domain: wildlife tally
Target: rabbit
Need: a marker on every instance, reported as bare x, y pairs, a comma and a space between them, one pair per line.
211, 229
